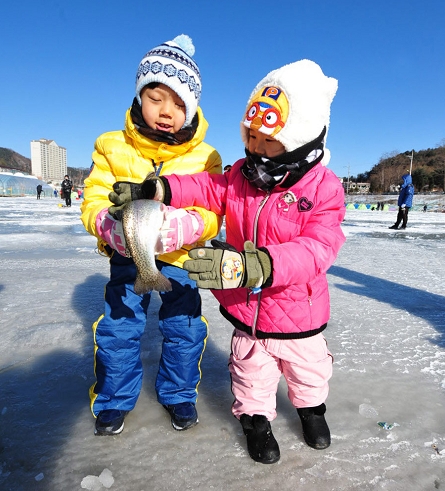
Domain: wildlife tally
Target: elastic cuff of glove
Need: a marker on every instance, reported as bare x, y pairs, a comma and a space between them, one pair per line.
167, 191
266, 265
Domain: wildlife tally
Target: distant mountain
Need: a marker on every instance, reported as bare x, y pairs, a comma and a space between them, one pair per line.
14, 161
10, 160
428, 170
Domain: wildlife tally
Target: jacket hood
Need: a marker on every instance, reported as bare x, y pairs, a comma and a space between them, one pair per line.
407, 179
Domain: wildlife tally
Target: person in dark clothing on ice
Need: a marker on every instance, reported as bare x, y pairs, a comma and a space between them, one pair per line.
39, 190
405, 201
67, 186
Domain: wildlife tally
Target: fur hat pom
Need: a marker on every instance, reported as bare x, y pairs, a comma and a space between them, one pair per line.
171, 64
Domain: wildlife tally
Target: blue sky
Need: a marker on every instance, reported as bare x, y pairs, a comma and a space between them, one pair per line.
68, 68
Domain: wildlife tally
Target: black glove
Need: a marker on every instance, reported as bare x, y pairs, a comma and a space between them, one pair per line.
124, 192
221, 267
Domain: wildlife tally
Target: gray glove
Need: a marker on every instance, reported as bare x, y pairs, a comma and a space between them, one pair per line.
124, 192
221, 267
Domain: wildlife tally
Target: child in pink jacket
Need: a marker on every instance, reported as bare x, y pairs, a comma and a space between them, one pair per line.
283, 210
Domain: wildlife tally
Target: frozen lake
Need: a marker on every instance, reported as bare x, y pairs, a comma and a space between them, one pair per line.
386, 334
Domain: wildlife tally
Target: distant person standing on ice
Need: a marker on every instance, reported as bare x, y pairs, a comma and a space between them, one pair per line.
405, 201
67, 186
39, 190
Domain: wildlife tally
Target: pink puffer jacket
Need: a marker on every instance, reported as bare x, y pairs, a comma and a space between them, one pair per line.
301, 229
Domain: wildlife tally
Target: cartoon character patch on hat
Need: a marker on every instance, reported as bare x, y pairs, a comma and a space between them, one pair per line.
267, 111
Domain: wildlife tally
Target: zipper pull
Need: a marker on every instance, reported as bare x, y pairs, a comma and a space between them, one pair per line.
251, 291
309, 300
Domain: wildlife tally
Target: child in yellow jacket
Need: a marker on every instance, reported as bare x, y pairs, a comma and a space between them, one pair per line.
164, 133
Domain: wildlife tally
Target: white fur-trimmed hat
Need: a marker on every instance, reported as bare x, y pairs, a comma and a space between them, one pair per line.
292, 104
171, 63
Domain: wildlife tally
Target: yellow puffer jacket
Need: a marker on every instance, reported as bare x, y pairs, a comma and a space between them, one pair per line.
127, 155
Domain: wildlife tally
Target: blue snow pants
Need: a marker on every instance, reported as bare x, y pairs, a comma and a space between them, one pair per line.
117, 335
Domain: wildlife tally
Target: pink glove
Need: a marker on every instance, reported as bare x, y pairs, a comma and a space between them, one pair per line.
111, 231
180, 227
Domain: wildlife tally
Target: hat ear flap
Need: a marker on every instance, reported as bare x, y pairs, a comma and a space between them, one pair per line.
331, 88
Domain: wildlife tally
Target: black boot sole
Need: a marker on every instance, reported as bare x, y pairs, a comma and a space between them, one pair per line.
263, 461
317, 446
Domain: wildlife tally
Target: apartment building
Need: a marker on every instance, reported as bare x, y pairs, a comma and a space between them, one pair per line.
48, 160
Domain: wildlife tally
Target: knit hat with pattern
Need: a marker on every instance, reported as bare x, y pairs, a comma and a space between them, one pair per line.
291, 104
172, 64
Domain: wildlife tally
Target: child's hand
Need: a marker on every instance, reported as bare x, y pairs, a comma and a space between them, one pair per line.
222, 267
124, 192
112, 232
180, 227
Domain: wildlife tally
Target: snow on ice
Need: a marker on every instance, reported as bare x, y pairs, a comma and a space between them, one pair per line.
386, 334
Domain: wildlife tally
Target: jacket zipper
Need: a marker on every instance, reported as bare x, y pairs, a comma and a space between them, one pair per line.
250, 291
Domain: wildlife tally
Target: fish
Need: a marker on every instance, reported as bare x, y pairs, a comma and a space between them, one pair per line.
142, 221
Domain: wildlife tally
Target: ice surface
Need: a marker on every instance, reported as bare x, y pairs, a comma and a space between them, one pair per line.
386, 334
367, 411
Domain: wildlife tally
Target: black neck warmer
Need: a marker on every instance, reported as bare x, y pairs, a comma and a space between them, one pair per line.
183, 135
286, 169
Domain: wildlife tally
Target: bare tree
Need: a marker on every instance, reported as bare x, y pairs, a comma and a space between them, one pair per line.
441, 143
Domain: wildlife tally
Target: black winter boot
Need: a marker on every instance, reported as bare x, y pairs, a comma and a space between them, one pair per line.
261, 443
315, 429
110, 422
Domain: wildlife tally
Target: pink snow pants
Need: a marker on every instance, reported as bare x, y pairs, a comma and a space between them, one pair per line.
256, 366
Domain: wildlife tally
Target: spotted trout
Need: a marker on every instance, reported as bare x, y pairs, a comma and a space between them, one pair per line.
142, 221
